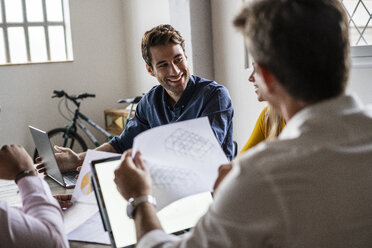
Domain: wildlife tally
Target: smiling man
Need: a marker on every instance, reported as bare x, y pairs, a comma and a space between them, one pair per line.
180, 96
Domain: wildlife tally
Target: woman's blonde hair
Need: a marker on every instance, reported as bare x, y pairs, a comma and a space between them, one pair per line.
273, 121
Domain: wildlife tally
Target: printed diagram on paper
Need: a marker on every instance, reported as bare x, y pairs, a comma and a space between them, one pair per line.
166, 177
189, 144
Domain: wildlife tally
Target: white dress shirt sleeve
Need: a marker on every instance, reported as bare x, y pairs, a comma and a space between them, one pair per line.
39, 224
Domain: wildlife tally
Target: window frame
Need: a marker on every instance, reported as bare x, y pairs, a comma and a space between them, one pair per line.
361, 56
65, 24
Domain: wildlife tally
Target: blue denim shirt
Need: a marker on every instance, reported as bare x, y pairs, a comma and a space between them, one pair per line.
201, 97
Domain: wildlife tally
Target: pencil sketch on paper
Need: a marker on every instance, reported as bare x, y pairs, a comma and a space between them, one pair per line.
165, 177
189, 144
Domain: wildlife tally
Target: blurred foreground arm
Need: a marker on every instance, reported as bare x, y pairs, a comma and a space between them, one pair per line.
40, 224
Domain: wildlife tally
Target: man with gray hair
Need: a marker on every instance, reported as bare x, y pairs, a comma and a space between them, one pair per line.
311, 187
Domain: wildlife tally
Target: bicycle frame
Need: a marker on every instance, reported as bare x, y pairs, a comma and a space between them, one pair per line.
72, 127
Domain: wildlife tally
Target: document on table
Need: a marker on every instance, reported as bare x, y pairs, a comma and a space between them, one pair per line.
82, 220
182, 157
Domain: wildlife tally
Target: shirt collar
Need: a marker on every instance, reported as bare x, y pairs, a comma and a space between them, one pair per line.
186, 95
337, 105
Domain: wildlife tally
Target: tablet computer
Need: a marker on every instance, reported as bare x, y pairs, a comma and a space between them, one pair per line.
175, 218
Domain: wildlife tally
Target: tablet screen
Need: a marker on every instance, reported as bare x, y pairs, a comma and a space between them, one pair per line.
177, 216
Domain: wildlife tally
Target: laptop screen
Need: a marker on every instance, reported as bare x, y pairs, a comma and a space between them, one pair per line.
177, 216
46, 153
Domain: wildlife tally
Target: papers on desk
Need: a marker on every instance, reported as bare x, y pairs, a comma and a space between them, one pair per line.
83, 221
183, 160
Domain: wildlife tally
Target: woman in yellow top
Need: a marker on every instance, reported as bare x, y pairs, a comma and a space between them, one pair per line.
269, 124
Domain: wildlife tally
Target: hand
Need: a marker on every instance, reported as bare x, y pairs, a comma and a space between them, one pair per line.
66, 158
223, 170
14, 159
132, 177
64, 201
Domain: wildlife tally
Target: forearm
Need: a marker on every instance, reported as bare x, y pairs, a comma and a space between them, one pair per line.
106, 147
146, 220
41, 222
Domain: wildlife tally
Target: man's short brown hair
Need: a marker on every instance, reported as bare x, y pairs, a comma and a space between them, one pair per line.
304, 43
160, 35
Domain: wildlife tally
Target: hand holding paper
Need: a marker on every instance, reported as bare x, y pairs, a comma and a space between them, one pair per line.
132, 177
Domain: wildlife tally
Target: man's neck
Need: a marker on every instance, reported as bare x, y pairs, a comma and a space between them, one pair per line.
290, 107
172, 99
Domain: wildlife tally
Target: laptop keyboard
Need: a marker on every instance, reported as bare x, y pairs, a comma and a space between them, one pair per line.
69, 177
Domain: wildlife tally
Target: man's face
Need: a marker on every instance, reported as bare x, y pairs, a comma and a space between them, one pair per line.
170, 67
256, 79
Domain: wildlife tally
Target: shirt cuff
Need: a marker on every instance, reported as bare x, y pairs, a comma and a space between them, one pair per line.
33, 184
155, 238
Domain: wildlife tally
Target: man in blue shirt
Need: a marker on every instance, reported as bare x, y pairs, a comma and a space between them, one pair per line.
180, 96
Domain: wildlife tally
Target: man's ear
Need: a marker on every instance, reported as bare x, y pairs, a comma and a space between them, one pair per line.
149, 70
268, 78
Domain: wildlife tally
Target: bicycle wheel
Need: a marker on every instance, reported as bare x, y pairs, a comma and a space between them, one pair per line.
57, 137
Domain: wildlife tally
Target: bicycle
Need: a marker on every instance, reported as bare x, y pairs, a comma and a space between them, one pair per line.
68, 136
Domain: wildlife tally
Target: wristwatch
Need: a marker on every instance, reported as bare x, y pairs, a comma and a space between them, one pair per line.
133, 203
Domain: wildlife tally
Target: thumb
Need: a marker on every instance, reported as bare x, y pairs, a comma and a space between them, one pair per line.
61, 149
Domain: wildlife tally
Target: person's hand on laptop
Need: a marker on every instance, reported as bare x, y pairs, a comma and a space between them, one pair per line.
132, 177
13, 160
66, 158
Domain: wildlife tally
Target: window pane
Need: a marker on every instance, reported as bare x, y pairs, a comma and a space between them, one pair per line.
17, 45
57, 43
54, 10
37, 44
359, 13
34, 9
14, 12
2, 48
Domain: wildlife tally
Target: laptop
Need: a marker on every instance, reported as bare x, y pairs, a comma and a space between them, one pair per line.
66, 179
176, 218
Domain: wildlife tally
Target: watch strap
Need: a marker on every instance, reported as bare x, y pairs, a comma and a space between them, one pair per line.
133, 203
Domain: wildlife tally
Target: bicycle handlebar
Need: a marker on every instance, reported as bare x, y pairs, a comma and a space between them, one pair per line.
133, 100
61, 93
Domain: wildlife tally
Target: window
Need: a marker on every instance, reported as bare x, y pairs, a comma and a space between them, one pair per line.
360, 23
34, 31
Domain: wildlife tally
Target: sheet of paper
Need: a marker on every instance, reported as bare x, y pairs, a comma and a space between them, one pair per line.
183, 158
78, 214
90, 231
85, 204
83, 191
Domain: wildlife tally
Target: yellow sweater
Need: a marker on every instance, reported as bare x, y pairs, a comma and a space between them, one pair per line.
260, 132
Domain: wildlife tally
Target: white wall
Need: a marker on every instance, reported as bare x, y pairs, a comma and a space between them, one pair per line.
360, 83
229, 68
98, 40
140, 16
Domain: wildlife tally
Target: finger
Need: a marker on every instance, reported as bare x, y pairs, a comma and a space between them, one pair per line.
67, 197
128, 161
40, 166
37, 159
138, 161
41, 171
65, 204
78, 168
61, 149
127, 153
